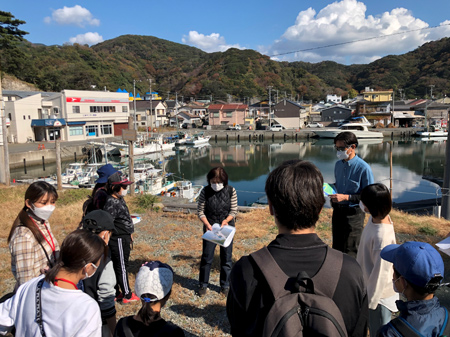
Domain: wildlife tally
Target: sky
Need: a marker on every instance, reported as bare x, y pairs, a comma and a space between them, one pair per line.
346, 31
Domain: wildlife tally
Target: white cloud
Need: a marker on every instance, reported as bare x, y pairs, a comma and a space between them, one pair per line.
346, 21
88, 38
209, 43
75, 16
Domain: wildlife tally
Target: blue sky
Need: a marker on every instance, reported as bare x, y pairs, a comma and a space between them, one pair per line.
270, 27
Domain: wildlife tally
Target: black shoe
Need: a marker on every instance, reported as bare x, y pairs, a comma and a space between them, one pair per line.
202, 291
225, 291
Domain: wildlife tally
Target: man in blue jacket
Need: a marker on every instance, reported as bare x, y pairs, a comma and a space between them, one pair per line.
352, 174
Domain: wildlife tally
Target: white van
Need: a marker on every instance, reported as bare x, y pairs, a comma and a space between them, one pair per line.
277, 127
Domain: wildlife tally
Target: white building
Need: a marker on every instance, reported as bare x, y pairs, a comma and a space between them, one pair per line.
334, 98
68, 115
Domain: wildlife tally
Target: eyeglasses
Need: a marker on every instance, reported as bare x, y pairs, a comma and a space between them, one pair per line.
341, 148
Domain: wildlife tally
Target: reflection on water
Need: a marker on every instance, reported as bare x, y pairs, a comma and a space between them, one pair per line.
247, 164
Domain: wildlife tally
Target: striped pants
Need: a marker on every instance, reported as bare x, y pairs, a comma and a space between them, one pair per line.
120, 247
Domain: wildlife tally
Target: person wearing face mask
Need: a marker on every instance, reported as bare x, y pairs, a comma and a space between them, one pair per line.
52, 305
418, 273
101, 286
352, 174
377, 234
120, 242
32, 244
217, 203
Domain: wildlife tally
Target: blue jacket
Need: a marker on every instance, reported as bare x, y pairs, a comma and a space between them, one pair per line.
427, 317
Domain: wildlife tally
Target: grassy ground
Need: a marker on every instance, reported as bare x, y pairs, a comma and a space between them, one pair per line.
174, 238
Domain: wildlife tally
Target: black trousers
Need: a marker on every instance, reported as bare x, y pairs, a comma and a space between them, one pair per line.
207, 259
347, 227
120, 247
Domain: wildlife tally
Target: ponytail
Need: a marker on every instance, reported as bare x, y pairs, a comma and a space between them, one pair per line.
146, 313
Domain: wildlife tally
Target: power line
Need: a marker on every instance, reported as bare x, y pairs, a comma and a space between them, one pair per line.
360, 40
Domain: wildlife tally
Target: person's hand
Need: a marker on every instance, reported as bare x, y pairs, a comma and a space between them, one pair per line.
208, 226
338, 197
131, 237
224, 223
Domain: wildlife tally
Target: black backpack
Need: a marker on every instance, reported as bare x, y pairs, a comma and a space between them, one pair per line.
303, 308
406, 330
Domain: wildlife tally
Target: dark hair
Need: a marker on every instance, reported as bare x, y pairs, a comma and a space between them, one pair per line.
34, 193
217, 172
430, 288
146, 313
295, 190
78, 249
377, 198
347, 137
97, 187
113, 189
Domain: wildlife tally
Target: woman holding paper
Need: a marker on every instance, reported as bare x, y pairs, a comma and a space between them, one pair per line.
217, 203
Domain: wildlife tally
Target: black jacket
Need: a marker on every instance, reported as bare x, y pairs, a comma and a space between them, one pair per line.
122, 218
250, 298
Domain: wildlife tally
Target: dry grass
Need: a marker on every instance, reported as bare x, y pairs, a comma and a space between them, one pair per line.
174, 238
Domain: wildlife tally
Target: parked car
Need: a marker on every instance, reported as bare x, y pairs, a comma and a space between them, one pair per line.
314, 125
236, 127
277, 127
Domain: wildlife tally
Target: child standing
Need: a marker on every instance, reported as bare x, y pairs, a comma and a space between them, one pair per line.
377, 234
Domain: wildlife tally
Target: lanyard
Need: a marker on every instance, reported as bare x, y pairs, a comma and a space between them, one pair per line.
64, 280
52, 245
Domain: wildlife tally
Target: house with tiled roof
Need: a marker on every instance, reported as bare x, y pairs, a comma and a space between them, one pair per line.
227, 114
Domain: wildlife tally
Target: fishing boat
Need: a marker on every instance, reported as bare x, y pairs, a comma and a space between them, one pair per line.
433, 131
357, 125
142, 171
197, 139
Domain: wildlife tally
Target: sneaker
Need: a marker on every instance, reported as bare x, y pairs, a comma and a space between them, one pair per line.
131, 299
119, 297
202, 291
225, 291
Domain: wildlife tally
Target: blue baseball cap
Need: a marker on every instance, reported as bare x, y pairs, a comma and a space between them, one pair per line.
417, 262
104, 173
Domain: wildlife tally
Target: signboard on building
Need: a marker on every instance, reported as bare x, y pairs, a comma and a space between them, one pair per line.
130, 135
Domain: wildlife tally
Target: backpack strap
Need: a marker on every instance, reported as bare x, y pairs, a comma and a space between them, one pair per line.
324, 282
404, 328
327, 278
445, 331
126, 328
38, 300
272, 272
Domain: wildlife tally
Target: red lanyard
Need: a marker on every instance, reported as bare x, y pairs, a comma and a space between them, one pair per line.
64, 280
52, 245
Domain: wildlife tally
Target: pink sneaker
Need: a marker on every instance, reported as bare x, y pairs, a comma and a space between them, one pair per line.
131, 299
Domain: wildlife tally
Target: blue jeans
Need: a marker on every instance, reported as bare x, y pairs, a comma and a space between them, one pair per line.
207, 259
377, 318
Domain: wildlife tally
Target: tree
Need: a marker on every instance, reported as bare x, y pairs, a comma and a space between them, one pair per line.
10, 34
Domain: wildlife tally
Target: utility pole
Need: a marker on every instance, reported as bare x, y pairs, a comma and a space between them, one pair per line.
270, 104
151, 107
7, 174
445, 204
176, 109
58, 164
134, 102
131, 155
431, 90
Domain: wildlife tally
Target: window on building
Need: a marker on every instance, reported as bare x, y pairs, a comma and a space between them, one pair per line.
215, 114
228, 114
106, 129
55, 110
29, 117
76, 109
75, 130
92, 130
124, 108
24, 117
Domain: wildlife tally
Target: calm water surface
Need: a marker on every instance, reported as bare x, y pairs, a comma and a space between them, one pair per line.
248, 164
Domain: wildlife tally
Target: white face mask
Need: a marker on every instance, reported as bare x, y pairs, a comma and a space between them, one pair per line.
363, 207
43, 212
342, 155
124, 192
217, 187
86, 273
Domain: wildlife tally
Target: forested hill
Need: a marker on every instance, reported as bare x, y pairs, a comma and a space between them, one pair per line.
175, 67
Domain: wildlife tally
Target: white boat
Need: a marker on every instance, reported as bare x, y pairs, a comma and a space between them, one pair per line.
107, 149
197, 139
142, 171
78, 173
357, 125
433, 131
72, 171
